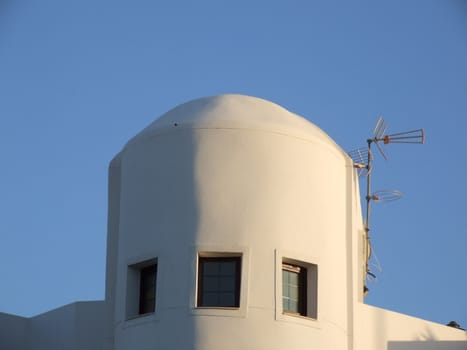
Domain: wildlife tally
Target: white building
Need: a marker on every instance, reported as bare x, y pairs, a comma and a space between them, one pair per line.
233, 224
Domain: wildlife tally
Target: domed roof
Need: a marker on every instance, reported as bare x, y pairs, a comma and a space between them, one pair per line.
233, 111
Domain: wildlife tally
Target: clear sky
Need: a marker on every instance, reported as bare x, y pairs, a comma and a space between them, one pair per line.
79, 78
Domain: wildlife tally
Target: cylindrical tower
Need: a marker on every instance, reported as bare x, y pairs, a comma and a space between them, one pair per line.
229, 226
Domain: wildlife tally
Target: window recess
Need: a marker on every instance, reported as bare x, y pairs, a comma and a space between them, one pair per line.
141, 288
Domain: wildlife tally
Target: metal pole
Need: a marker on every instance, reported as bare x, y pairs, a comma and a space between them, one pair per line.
368, 199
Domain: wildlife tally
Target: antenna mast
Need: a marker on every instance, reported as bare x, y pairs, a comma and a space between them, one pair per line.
365, 166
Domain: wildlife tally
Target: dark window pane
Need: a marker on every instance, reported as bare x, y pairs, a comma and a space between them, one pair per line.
147, 296
211, 268
210, 284
227, 268
227, 284
211, 299
227, 299
219, 281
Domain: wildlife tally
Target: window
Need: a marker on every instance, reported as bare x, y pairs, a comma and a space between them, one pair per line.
141, 288
147, 289
294, 289
299, 286
219, 281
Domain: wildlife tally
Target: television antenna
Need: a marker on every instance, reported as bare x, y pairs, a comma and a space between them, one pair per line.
363, 162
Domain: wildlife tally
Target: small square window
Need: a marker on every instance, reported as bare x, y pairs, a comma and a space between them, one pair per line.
141, 288
299, 288
219, 281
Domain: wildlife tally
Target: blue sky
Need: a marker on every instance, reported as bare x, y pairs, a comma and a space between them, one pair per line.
79, 78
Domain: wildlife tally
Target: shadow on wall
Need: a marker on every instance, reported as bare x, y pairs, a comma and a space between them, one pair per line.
427, 345
427, 341
157, 219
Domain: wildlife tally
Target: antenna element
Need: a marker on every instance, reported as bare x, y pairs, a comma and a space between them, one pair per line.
363, 162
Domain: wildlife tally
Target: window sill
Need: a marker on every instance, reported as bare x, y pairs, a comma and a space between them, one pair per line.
294, 314
219, 311
217, 308
140, 315
298, 319
137, 320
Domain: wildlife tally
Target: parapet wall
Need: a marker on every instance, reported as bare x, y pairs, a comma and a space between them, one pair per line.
376, 328
75, 326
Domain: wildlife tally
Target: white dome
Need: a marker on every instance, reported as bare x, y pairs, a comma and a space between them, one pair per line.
233, 111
